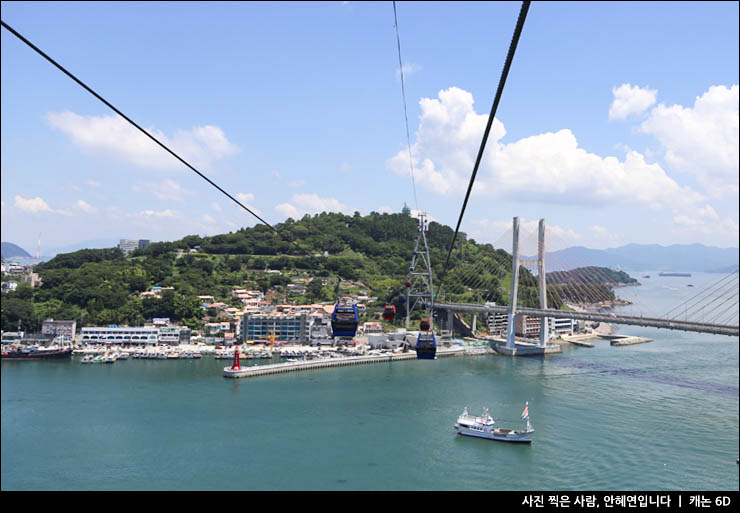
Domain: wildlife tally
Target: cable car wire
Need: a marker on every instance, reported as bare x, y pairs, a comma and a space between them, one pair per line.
405, 112
497, 99
117, 111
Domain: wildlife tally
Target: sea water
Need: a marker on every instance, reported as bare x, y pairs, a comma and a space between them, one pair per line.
656, 416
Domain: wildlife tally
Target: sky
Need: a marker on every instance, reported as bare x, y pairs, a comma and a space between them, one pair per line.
618, 123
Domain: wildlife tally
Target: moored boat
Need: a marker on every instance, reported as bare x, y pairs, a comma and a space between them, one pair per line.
484, 427
35, 353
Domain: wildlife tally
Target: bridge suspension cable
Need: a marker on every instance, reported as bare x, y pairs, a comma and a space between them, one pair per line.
704, 294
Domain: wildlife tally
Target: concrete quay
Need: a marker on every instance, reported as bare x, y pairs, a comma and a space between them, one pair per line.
618, 340
279, 368
524, 349
615, 340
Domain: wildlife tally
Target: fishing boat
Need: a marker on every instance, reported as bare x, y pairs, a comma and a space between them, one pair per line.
484, 427
16, 352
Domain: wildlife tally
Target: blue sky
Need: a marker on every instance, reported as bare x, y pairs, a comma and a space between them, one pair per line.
618, 123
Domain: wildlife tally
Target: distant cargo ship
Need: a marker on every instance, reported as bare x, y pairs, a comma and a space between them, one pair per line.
675, 274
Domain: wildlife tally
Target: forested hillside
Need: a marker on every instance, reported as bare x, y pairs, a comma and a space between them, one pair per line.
334, 254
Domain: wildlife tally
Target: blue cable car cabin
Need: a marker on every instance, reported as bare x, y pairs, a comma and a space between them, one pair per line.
426, 346
344, 321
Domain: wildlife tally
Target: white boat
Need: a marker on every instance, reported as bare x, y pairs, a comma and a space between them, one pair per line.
122, 355
88, 358
484, 427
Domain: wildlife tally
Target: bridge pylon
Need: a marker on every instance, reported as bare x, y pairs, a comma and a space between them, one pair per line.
542, 284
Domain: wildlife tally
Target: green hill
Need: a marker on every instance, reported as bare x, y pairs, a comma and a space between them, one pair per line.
331, 254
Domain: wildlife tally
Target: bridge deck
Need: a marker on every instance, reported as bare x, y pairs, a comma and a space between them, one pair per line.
716, 329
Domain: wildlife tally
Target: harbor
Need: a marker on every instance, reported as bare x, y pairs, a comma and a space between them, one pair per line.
367, 427
235, 371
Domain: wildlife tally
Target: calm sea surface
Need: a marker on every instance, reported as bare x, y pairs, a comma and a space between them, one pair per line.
656, 416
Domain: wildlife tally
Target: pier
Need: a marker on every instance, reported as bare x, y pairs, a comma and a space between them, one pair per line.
279, 368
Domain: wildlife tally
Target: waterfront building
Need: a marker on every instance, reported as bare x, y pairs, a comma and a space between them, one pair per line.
119, 335
212, 328
127, 246
562, 326
526, 325
372, 328
174, 335
289, 328
66, 329
497, 323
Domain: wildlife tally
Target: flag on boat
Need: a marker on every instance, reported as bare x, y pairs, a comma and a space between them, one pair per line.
525, 413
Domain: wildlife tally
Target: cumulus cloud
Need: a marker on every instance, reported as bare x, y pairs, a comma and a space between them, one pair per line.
706, 221
631, 100
544, 168
301, 204
32, 205
113, 135
701, 140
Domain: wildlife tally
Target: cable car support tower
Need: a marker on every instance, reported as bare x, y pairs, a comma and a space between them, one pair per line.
419, 285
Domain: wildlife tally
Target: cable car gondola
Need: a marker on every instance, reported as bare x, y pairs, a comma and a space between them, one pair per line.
426, 346
389, 312
424, 324
344, 321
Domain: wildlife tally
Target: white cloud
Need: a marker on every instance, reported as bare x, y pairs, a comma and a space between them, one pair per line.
706, 221
32, 205
172, 214
85, 207
113, 135
168, 190
408, 69
703, 140
631, 100
544, 168
301, 204
215, 206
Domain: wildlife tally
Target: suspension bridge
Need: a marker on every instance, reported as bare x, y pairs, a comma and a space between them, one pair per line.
586, 291
719, 300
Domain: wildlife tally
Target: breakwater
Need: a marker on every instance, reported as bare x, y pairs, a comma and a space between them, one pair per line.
279, 368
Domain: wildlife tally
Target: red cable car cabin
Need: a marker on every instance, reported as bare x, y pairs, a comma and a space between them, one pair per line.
389, 312
424, 324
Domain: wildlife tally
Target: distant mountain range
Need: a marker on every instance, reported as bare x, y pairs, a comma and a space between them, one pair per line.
18, 254
632, 257
642, 257
10, 250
